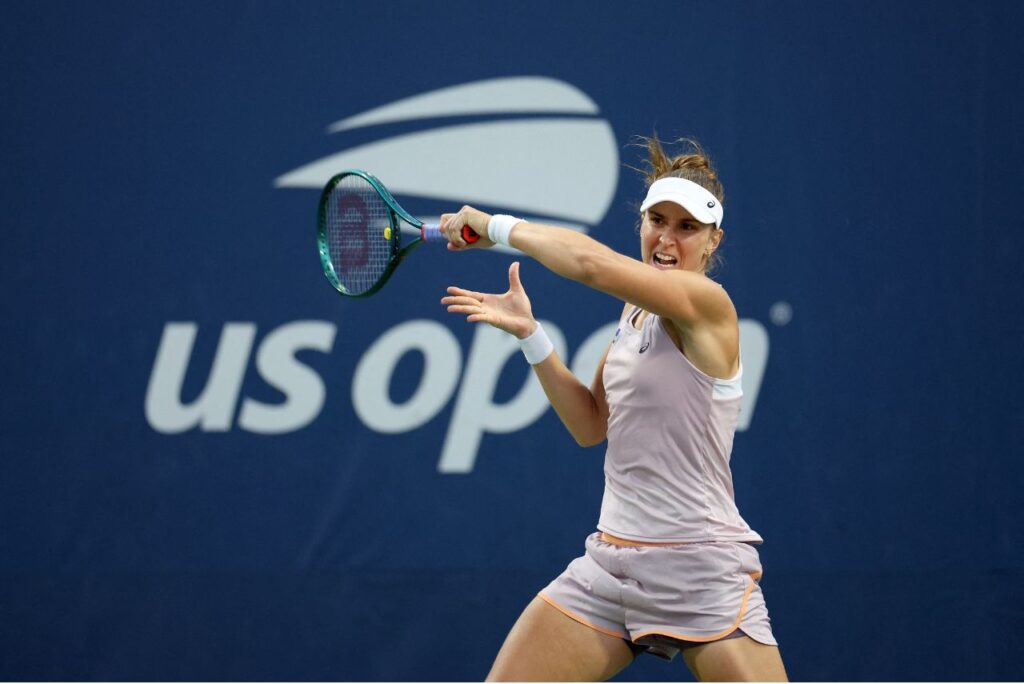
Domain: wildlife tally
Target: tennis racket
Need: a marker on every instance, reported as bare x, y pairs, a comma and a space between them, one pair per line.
359, 233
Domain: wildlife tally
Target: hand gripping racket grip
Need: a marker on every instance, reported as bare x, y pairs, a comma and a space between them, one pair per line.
432, 231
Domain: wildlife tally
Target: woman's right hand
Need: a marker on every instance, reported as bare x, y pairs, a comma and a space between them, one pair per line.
510, 311
452, 226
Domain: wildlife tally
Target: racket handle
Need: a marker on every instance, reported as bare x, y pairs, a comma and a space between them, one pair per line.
432, 231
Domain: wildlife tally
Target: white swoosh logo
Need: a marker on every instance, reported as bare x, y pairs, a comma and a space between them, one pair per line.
517, 95
564, 168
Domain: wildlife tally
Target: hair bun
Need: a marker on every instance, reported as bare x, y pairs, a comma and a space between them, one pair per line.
692, 161
693, 164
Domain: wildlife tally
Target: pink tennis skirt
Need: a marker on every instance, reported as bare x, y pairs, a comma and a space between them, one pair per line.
664, 598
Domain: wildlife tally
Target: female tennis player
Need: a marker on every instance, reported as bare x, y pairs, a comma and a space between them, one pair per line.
672, 566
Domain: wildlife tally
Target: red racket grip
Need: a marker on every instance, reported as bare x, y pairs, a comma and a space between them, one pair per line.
431, 231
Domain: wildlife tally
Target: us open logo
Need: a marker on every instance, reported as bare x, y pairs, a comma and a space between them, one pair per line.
564, 170
560, 169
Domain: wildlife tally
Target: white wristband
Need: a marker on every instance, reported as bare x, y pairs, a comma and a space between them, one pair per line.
499, 228
537, 346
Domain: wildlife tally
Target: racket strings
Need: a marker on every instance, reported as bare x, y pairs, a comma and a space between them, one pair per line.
358, 234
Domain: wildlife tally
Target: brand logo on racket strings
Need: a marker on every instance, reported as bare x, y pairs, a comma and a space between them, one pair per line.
473, 383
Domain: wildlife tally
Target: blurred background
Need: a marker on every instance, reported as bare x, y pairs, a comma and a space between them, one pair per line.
214, 467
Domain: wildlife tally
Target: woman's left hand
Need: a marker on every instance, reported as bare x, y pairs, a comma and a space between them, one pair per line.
451, 227
510, 311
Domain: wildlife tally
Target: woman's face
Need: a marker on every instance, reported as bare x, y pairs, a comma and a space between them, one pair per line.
670, 238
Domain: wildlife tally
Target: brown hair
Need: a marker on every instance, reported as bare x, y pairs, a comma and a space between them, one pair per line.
693, 164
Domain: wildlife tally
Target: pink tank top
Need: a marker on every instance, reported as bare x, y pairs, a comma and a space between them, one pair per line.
670, 433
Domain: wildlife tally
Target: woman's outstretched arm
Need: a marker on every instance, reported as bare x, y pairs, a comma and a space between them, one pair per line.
687, 298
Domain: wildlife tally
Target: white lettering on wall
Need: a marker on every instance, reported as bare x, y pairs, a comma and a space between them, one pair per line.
302, 386
214, 409
475, 413
442, 365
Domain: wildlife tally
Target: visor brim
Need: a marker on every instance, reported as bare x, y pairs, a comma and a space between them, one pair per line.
697, 207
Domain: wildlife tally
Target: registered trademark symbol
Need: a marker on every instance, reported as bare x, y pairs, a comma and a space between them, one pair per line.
781, 313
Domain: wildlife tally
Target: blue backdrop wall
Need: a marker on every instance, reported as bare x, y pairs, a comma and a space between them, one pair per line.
214, 467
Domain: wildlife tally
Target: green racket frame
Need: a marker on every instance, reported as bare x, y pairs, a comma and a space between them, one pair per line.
396, 215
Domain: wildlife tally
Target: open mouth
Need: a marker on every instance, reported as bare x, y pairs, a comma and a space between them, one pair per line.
660, 259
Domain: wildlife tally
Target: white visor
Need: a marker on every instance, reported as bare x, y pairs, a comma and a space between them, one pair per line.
701, 204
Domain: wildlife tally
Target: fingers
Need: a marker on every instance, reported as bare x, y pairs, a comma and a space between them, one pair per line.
473, 310
462, 299
452, 225
464, 309
459, 292
514, 283
451, 228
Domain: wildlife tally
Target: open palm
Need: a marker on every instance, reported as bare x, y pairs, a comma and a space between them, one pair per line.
510, 311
